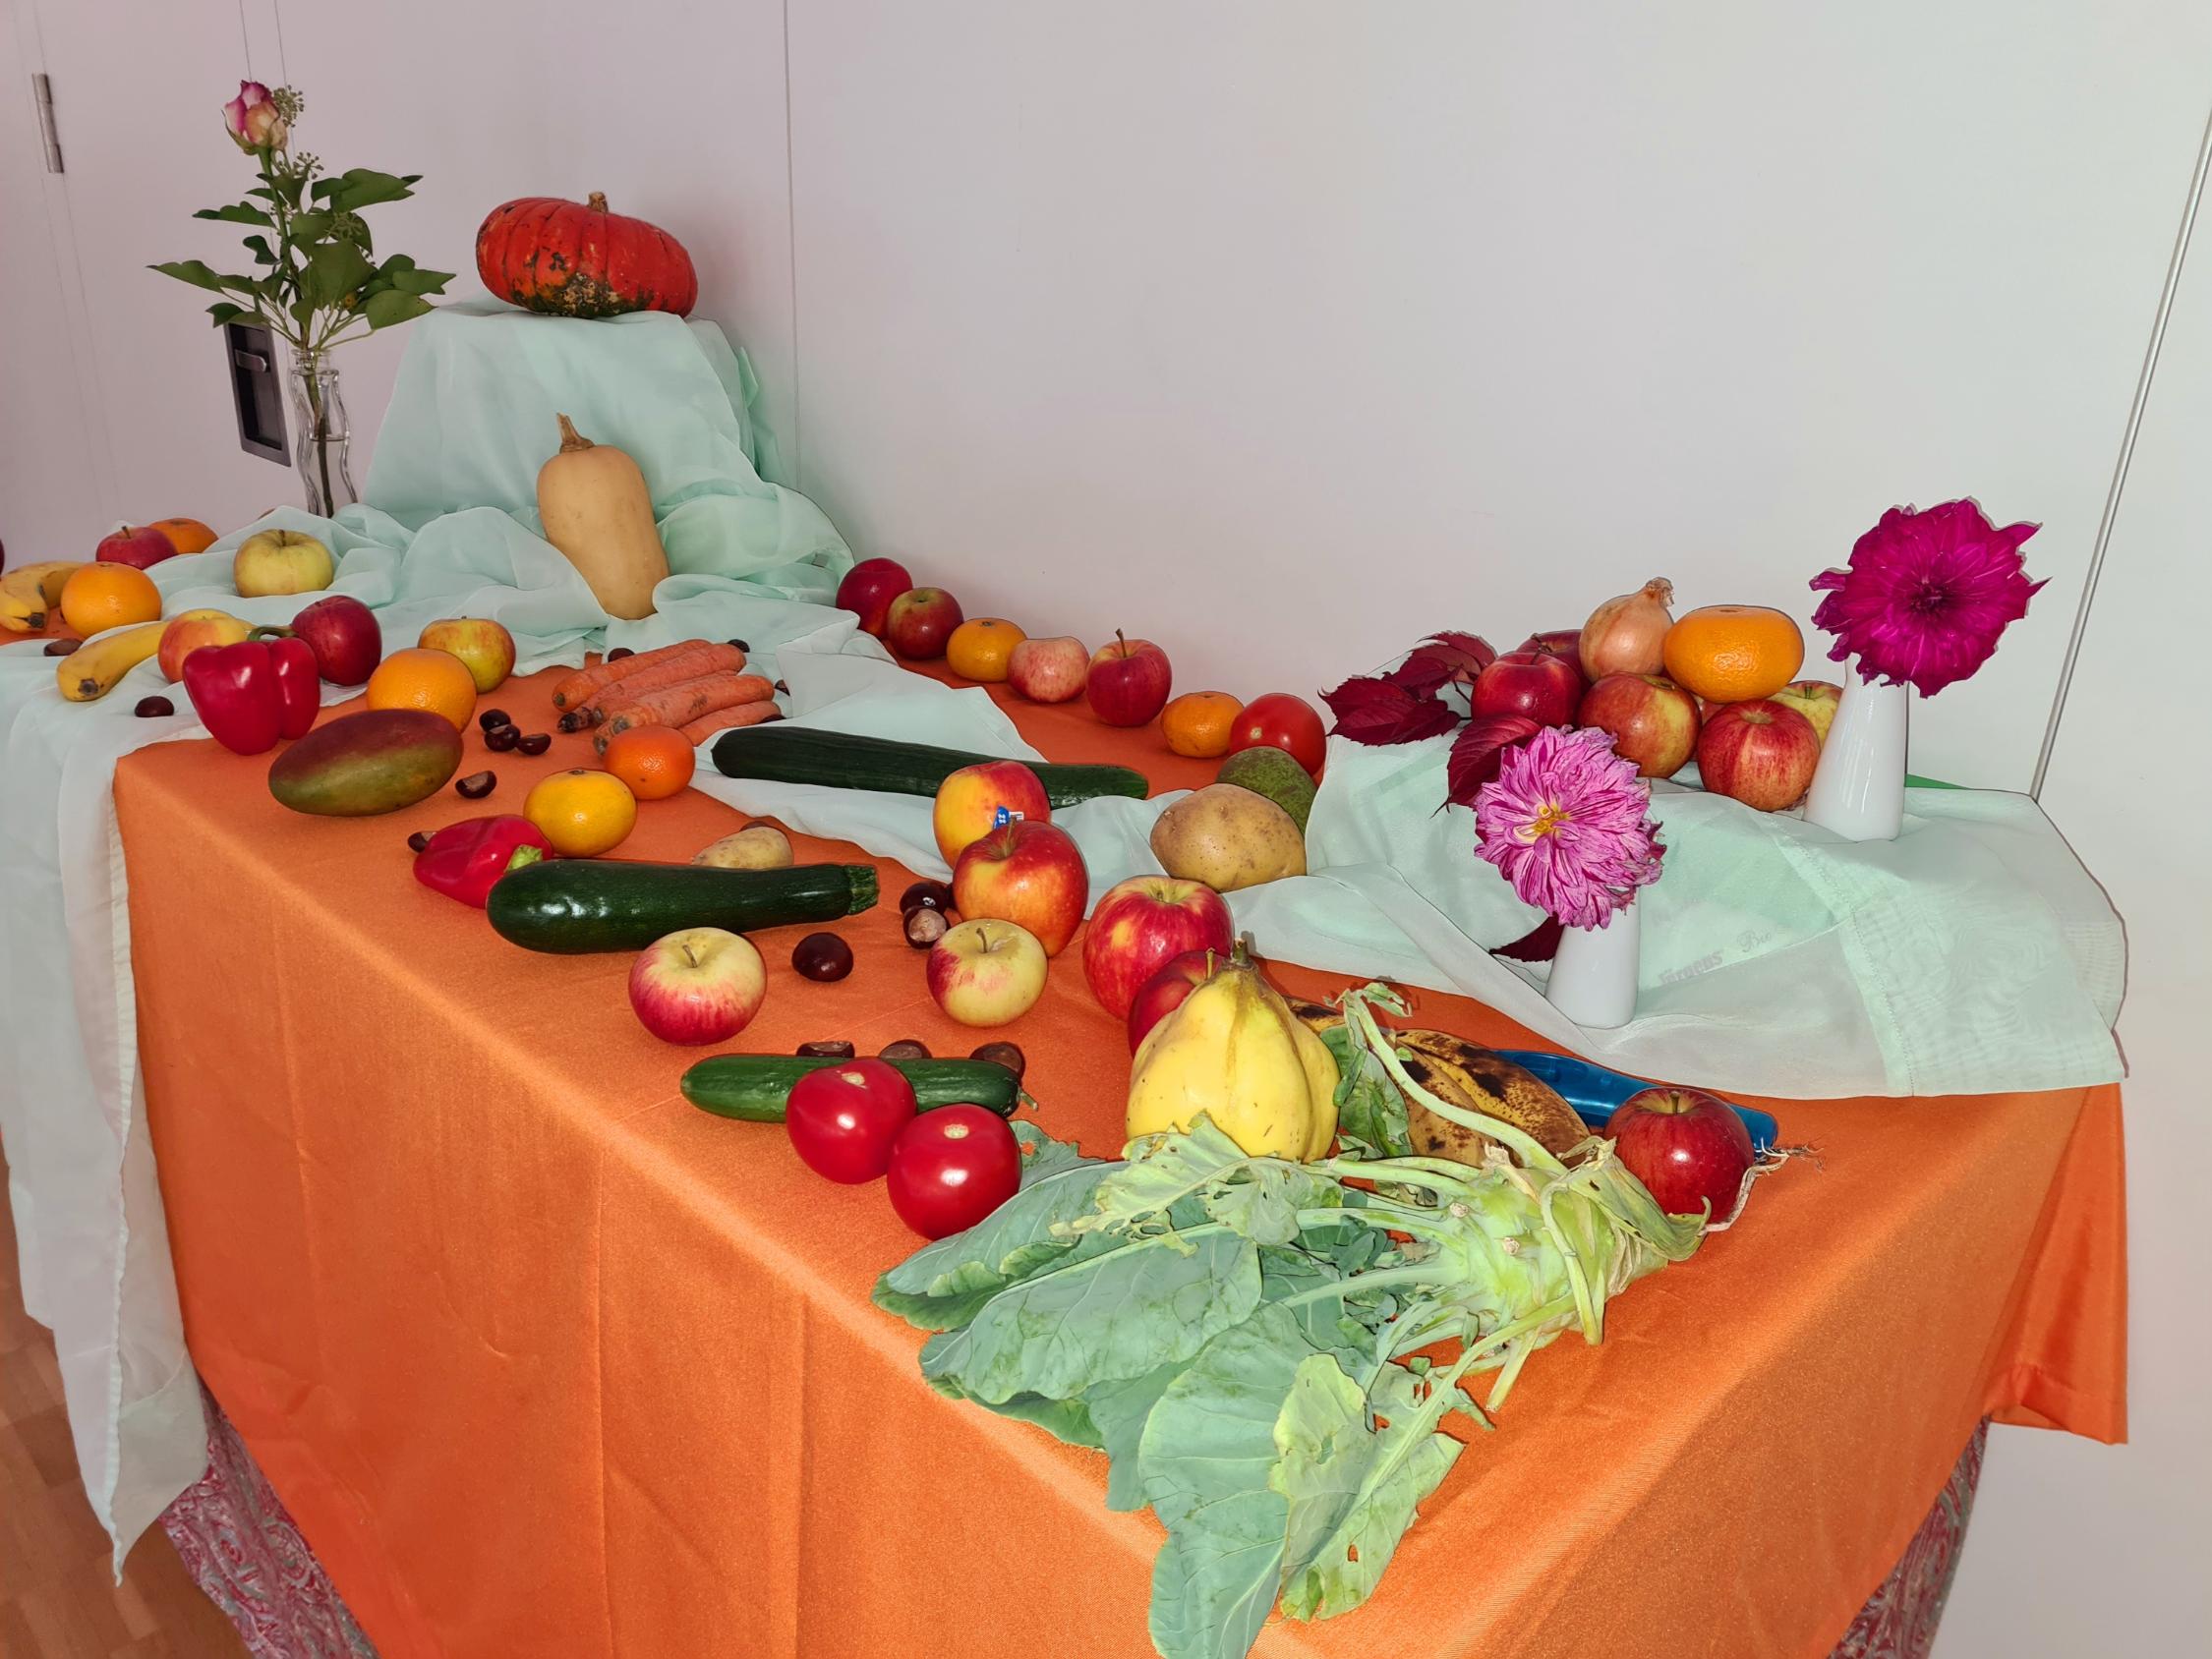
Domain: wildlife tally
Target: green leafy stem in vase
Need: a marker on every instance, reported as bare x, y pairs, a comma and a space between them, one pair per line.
319, 283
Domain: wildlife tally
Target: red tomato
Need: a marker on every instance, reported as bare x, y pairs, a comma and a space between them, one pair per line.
952, 1166
1282, 721
844, 1118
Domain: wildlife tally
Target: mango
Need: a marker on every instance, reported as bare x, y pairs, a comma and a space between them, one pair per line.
360, 764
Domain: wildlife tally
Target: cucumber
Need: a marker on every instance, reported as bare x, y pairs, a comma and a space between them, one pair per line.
572, 905
784, 755
754, 1087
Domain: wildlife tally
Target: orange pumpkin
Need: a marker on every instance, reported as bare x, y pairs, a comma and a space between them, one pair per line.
575, 259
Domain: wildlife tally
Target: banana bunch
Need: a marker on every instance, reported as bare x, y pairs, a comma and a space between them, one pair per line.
29, 591
1466, 1074
90, 671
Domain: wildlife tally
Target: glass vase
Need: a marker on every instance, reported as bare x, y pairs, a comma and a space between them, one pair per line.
1594, 972
1858, 787
321, 435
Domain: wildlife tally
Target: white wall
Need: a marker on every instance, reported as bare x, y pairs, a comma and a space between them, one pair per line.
2076, 1549
1286, 331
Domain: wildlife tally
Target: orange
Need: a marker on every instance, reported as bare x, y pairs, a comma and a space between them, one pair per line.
582, 813
108, 596
1733, 653
980, 646
1199, 722
655, 761
187, 536
419, 678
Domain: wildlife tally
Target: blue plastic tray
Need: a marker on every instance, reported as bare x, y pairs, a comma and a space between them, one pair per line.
1595, 1092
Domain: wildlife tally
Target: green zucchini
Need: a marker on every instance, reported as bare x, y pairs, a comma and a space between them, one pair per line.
571, 905
774, 754
754, 1087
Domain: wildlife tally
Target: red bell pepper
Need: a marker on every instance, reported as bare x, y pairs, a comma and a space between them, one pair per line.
463, 860
253, 693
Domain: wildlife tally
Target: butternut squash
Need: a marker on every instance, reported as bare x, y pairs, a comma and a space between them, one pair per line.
595, 507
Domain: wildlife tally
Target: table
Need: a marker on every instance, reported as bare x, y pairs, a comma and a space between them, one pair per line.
545, 1360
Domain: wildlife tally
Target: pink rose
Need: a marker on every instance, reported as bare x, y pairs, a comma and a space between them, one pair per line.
253, 119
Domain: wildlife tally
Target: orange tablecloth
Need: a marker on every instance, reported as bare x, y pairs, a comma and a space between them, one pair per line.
545, 1362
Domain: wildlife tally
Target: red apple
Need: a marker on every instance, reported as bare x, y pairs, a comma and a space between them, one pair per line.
919, 622
1048, 670
347, 643
1654, 720
1029, 871
1556, 641
1759, 753
868, 589
1537, 684
1816, 700
137, 547
986, 972
1163, 993
1140, 926
702, 985
978, 799
1686, 1146
1128, 682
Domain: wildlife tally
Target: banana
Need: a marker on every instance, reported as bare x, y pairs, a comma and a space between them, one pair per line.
1468, 1075
29, 591
91, 672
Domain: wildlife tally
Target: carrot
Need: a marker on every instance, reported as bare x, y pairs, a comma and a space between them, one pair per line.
728, 719
680, 705
691, 665
577, 687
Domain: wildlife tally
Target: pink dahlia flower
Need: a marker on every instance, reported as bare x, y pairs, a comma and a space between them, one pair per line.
1564, 819
1926, 595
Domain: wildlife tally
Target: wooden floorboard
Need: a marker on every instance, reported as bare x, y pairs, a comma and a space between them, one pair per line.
57, 1597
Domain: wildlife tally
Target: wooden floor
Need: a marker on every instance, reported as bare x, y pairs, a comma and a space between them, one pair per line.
57, 1597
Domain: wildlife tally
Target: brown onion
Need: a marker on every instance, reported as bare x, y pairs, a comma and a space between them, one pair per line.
1624, 635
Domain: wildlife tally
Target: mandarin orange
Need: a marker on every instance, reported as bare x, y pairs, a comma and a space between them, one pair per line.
1733, 653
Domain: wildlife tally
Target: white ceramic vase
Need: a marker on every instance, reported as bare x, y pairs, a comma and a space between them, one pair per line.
1858, 789
1594, 974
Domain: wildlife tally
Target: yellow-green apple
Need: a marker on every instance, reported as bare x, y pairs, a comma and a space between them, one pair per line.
919, 622
978, 799
1654, 720
1140, 926
280, 561
1028, 871
1759, 753
188, 631
1048, 670
1129, 681
138, 547
1687, 1147
1539, 685
986, 972
483, 645
344, 636
702, 985
1163, 993
1816, 700
868, 589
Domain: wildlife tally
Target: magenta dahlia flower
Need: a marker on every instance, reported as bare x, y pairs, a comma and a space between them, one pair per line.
1564, 819
1926, 595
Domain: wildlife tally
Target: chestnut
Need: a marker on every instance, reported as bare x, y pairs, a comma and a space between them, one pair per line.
153, 707
831, 1048
61, 648
822, 956
477, 785
420, 840
501, 738
534, 742
1008, 1054
493, 719
619, 652
934, 894
924, 926
906, 1048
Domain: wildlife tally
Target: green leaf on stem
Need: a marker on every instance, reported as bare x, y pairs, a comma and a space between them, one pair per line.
364, 187
237, 213
200, 276
420, 281
259, 246
390, 307
333, 270
310, 226
222, 310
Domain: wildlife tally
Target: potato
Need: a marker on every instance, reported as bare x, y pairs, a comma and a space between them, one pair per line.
1228, 839
757, 847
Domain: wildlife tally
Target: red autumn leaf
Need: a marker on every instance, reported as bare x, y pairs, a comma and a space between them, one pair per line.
1539, 945
1372, 711
1477, 750
1423, 677
1456, 656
